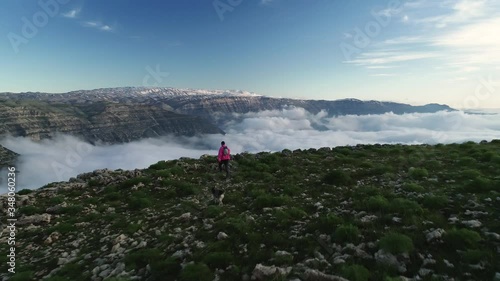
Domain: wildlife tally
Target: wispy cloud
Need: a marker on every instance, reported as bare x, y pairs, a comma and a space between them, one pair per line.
74, 14
106, 28
458, 12
97, 25
381, 66
71, 14
383, 74
384, 58
460, 36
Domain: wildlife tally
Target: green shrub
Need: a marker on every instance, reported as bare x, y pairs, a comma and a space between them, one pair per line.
56, 200
29, 210
377, 203
462, 238
355, 272
133, 228
466, 161
176, 170
292, 190
267, 200
72, 210
93, 183
213, 211
23, 276
327, 223
396, 243
235, 226
366, 164
24, 191
283, 260
418, 173
283, 219
405, 206
62, 228
233, 198
337, 177
196, 272
364, 191
379, 170
138, 203
478, 185
121, 224
141, 258
166, 269
218, 259
91, 200
433, 164
112, 196
435, 201
347, 233
296, 213
161, 165
162, 173
91, 217
60, 278
470, 174
495, 159
475, 256
413, 187
183, 189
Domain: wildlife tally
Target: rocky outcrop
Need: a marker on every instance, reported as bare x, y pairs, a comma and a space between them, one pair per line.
7, 157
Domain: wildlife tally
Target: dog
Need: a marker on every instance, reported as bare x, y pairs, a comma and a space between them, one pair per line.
218, 195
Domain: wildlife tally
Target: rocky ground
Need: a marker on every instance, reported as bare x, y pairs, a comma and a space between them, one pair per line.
367, 212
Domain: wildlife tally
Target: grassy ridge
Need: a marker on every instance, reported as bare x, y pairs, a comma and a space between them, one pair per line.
333, 210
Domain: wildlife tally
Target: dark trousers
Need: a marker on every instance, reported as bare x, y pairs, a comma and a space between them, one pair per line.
226, 166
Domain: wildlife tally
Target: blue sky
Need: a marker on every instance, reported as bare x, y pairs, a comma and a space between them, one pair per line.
415, 51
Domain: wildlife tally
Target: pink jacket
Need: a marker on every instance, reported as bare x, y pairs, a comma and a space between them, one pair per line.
221, 155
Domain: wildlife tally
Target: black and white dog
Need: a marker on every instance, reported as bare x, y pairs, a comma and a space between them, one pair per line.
218, 195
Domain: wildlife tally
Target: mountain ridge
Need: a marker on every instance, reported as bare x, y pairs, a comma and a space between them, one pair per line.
162, 111
173, 92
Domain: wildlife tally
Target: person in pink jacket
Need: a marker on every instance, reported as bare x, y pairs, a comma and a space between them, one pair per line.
223, 158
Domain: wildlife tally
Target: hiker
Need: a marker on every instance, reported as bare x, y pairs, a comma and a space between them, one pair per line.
223, 157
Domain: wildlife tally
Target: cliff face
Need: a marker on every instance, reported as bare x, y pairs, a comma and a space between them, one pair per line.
7, 157
99, 121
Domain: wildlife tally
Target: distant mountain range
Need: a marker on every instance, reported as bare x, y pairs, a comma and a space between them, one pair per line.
117, 115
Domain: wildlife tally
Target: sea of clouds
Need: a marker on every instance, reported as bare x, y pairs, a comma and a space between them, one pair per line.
65, 156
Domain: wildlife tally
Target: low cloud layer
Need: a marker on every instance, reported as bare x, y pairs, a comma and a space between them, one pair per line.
66, 156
